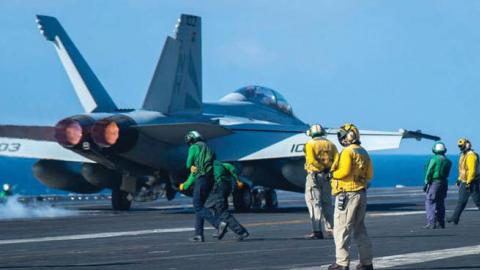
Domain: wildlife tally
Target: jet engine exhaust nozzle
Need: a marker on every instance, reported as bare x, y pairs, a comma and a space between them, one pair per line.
115, 133
71, 131
105, 133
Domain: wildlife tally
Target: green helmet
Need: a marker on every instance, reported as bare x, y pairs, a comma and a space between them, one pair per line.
315, 131
193, 137
439, 148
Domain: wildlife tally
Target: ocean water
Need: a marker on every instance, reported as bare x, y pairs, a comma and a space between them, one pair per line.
389, 171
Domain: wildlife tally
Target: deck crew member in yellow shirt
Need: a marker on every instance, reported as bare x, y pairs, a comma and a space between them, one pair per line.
320, 154
351, 174
468, 182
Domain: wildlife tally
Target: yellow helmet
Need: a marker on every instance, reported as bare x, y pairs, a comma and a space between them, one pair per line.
348, 134
315, 130
464, 144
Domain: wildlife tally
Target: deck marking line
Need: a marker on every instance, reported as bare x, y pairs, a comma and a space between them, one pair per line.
412, 258
93, 236
406, 213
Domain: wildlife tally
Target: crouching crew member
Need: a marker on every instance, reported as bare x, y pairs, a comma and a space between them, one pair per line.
435, 186
468, 179
225, 177
352, 172
319, 156
200, 163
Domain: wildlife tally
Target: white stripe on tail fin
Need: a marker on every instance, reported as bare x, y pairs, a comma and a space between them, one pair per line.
176, 86
90, 91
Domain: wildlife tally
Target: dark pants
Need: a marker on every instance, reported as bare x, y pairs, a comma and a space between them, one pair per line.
435, 203
463, 196
203, 186
218, 203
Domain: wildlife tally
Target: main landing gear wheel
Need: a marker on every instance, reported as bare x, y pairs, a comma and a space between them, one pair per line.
271, 198
120, 201
242, 199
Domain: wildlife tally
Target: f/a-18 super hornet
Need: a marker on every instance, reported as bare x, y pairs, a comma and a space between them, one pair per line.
140, 154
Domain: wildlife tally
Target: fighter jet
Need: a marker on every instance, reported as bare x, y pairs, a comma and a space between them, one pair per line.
140, 154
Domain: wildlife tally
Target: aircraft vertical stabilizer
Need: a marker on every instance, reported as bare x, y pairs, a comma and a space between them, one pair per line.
176, 86
90, 91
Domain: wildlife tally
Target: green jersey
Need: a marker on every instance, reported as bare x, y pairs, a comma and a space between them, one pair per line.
202, 157
221, 172
224, 172
438, 169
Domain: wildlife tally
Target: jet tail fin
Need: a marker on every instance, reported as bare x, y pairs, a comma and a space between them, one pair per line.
90, 91
176, 86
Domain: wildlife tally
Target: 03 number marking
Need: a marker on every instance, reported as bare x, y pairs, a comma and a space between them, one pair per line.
10, 147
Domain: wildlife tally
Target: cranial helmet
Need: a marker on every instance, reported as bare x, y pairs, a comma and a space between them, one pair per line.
315, 131
439, 148
193, 137
464, 144
6, 187
348, 134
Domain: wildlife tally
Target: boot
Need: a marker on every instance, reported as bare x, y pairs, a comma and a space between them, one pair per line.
440, 225
335, 266
429, 226
450, 220
364, 267
314, 236
242, 236
196, 238
222, 230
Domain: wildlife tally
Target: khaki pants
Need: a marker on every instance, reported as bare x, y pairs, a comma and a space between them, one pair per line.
319, 201
348, 221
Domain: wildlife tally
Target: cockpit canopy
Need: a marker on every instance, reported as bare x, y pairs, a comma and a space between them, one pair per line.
261, 95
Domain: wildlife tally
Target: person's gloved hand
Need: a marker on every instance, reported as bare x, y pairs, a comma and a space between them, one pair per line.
193, 169
240, 185
425, 187
181, 187
468, 188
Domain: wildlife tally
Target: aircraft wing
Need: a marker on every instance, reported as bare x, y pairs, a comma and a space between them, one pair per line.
256, 142
34, 142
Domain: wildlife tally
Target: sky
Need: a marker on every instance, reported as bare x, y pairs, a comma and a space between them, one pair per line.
382, 65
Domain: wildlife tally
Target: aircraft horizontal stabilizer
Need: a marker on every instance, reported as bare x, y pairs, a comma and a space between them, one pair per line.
25, 148
34, 142
175, 133
42, 133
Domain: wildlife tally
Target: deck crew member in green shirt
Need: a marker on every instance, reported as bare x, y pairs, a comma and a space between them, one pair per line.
200, 162
435, 187
7, 191
226, 176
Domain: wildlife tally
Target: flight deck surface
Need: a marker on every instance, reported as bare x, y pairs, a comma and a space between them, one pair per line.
155, 236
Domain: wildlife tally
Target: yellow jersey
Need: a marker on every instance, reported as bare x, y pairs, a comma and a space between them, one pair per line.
352, 171
320, 154
468, 167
